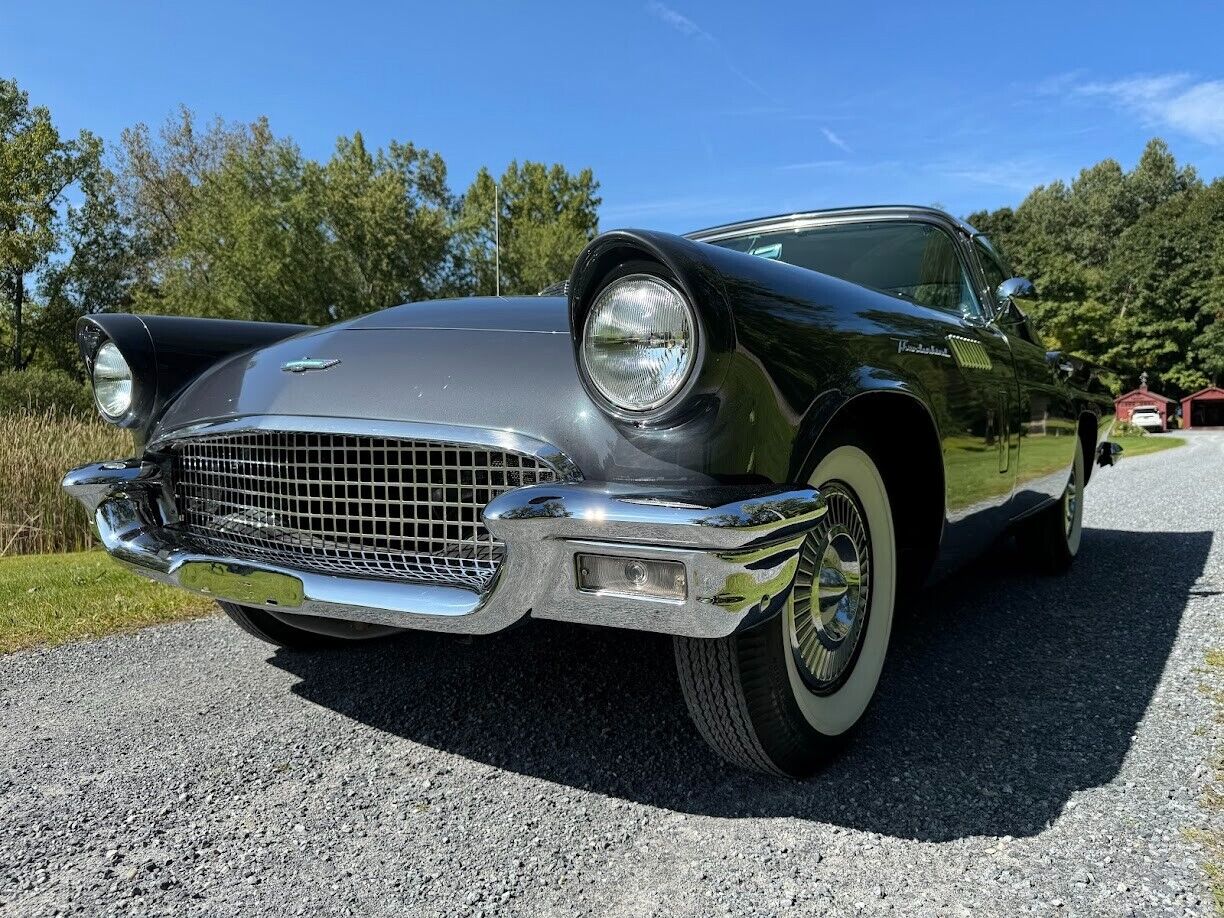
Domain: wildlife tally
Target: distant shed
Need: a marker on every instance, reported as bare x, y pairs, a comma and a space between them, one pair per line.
1143, 397
1205, 408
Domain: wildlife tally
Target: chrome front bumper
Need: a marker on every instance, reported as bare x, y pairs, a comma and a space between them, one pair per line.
739, 545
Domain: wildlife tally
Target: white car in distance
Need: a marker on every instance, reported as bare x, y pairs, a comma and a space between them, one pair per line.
1147, 418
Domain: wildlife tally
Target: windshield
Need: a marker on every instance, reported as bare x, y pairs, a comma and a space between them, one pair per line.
912, 260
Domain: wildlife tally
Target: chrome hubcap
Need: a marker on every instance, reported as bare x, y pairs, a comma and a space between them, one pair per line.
1070, 501
832, 594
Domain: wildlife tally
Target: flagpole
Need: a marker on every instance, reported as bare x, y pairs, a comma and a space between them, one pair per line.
496, 241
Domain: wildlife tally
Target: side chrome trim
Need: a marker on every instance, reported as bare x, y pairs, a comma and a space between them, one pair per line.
969, 354
399, 430
808, 218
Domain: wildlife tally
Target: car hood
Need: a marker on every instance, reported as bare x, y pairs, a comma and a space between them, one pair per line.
437, 363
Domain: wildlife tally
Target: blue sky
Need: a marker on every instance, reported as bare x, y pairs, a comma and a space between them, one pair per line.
690, 113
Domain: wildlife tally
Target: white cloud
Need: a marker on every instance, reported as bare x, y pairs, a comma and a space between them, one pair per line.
813, 164
1013, 174
678, 21
685, 26
1173, 100
835, 140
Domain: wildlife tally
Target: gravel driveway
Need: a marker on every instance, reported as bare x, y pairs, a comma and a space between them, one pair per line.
1038, 746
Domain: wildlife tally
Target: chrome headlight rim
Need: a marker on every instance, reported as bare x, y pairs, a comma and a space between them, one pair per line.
665, 406
124, 410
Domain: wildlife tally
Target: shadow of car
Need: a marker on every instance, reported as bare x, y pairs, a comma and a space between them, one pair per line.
1004, 695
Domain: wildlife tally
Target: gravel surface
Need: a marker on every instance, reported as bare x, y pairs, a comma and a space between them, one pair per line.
1039, 746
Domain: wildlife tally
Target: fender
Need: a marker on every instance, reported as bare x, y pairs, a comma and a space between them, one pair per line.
166, 353
828, 405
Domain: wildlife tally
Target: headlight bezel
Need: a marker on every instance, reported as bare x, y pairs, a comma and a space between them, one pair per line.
128, 375
130, 335
666, 406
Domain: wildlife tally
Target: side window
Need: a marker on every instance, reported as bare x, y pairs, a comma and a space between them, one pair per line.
939, 279
992, 266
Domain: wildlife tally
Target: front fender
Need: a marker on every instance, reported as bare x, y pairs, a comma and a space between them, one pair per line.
167, 353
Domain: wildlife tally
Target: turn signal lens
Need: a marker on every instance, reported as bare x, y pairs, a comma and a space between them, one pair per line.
639, 342
644, 578
112, 382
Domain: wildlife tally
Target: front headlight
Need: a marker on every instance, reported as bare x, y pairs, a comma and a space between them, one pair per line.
639, 342
112, 382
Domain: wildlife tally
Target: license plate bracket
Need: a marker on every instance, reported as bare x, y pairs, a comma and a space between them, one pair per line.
242, 584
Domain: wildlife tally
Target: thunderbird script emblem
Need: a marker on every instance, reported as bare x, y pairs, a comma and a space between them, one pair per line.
929, 350
307, 364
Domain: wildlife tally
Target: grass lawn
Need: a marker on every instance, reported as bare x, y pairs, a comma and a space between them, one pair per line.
50, 599
1213, 840
1152, 443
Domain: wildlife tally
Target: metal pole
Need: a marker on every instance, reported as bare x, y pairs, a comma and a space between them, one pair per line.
496, 241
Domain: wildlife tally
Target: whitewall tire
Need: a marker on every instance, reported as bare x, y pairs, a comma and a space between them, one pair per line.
783, 696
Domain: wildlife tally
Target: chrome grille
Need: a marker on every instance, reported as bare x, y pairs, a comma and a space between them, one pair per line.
351, 505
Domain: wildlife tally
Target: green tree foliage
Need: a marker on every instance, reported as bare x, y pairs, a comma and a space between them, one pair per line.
38, 167
389, 217
239, 233
97, 273
233, 221
1128, 265
545, 215
238, 223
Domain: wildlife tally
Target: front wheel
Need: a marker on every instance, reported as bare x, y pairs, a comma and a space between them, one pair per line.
784, 696
300, 632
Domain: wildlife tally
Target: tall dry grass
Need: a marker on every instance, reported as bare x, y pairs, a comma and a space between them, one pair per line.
35, 451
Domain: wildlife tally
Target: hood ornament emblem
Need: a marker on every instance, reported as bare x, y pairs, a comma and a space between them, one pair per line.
307, 364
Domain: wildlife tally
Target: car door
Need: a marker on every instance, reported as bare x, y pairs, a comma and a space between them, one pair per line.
979, 431
966, 366
1047, 422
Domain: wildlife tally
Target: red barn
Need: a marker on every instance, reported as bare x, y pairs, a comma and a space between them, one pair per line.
1143, 397
1204, 408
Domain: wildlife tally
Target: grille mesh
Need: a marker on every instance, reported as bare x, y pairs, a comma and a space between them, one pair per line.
357, 506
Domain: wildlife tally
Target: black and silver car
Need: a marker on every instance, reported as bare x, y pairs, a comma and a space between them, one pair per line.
753, 438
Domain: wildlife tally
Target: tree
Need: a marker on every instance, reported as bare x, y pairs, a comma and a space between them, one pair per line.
389, 220
546, 216
251, 243
1166, 279
230, 221
239, 224
37, 169
1093, 248
98, 273
156, 181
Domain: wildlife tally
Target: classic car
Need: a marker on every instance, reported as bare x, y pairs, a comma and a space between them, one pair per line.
754, 438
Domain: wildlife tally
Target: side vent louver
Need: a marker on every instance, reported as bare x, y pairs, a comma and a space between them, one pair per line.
970, 354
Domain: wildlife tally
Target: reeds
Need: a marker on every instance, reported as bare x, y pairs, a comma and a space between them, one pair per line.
36, 516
